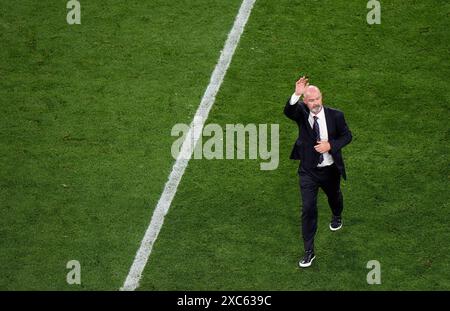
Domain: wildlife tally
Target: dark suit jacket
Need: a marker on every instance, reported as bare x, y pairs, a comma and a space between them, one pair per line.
339, 135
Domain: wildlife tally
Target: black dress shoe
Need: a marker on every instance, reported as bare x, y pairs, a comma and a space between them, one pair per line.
307, 260
336, 223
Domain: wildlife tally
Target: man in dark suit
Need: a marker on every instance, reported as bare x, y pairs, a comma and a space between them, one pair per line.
323, 132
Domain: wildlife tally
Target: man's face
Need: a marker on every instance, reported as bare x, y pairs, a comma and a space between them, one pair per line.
313, 100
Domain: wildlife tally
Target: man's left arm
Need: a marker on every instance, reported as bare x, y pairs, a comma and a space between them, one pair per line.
344, 134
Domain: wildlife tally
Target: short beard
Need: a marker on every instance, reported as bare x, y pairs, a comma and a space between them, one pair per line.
316, 109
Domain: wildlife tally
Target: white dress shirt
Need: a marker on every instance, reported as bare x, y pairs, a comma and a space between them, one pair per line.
327, 157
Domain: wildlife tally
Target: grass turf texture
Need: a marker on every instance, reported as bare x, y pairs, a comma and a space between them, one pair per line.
91, 107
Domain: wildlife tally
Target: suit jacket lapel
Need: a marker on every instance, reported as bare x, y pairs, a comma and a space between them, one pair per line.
329, 121
308, 126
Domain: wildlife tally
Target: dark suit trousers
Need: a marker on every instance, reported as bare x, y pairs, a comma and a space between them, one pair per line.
327, 178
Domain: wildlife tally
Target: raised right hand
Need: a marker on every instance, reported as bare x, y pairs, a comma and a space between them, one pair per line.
301, 85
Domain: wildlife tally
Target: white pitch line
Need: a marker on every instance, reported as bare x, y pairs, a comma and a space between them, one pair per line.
170, 188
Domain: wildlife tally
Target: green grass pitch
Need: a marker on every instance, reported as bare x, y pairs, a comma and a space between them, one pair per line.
86, 115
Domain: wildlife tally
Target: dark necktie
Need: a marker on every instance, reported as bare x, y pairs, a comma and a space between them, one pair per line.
316, 130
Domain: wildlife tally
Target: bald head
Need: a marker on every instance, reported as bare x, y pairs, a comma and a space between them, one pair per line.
312, 91
313, 99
